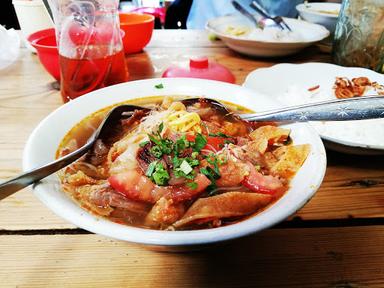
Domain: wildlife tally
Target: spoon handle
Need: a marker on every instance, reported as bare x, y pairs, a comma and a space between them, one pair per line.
335, 110
243, 11
15, 184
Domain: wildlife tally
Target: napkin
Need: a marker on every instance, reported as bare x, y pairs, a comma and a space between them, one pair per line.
9, 47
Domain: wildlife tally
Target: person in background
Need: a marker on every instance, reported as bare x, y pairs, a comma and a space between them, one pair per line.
177, 14
203, 10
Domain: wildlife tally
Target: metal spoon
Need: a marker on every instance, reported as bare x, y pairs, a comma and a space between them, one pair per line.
358, 108
335, 110
277, 19
103, 132
260, 23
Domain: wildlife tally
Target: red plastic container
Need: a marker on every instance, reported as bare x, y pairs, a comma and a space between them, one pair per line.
201, 68
44, 41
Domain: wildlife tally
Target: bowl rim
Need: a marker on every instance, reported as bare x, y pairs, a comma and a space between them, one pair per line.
34, 41
167, 238
321, 29
303, 8
35, 37
150, 18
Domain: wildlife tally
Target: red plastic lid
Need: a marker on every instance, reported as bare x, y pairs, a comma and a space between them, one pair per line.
201, 67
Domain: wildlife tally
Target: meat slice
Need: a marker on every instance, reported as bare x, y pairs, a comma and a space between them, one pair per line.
164, 213
144, 157
226, 205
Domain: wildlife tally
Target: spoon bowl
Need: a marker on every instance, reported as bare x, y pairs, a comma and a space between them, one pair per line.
107, 126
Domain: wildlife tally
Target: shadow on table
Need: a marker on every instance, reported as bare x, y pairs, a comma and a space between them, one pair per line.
323, 257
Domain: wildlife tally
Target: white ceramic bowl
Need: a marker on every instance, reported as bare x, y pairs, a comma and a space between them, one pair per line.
44, 140
320, 13
310, 34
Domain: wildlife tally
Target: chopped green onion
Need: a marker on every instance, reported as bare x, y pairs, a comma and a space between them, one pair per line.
142, 144
156, 151
151, 169
194, 155
192, 162
154, 140
185, 167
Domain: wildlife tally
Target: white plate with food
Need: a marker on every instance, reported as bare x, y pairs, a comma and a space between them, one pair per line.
293, 84
160, 181
242, 36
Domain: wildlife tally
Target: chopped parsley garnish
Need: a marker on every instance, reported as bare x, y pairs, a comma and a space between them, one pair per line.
184, 156
161, 127
212, 176
160, 176
219, 134
210, 173
212, 159
159, 86
192, 185
181, 144
200, 142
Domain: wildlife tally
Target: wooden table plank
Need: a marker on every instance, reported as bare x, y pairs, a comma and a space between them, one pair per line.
327, 257
27, 96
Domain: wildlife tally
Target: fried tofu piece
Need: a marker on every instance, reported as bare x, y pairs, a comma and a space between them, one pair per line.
226, 205
290, 159
267, 135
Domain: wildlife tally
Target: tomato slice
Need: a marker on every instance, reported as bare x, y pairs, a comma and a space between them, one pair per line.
214, 143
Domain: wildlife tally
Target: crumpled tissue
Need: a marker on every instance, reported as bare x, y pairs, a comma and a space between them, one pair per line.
9, 46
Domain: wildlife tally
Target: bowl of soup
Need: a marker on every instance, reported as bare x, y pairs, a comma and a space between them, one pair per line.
184, 172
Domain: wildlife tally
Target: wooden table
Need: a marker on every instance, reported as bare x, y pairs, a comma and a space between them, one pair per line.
336, 240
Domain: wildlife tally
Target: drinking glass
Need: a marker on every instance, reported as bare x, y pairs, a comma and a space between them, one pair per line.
91, 53
359, 35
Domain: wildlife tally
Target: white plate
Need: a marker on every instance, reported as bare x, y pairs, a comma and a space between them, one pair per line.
320, 13
44, 140
309, 32
278, 81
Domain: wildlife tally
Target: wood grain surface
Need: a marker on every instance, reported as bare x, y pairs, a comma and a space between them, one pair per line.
336, 240
309, 257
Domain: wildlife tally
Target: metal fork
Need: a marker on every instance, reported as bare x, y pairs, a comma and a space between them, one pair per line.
277, 19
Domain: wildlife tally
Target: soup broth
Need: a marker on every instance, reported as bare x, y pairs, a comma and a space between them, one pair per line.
187, 164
